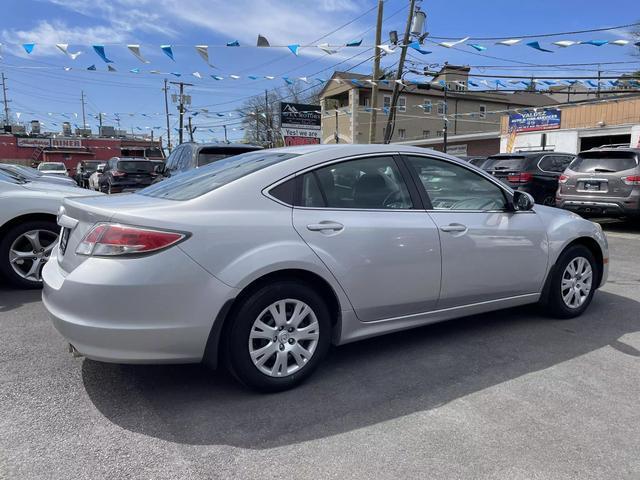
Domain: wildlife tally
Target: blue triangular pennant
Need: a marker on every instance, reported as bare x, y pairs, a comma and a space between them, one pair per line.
28, 47
477, 46
99, 49
355, 43
168, 51
135, 70
596, 43
294, 48
418, 48
176, 74
537, 46
91, 67
234, 43
288, 80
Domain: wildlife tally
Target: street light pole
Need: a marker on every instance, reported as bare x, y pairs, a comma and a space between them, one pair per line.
336, 134
396, 84
166, 112
446, 120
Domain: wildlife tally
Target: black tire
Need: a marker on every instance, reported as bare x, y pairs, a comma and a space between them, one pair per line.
236, 336
554, 304
5, 244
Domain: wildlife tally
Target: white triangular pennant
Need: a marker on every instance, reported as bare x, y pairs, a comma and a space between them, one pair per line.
64, 48
135, 51
453, 44
327, 49
510, 42
564, 43
387, 49
203, 51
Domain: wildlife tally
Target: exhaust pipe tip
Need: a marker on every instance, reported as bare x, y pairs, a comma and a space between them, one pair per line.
74, 351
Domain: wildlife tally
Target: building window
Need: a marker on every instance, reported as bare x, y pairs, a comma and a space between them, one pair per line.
402, 133
483, 111
427, 106
439, 133
426, 133
386, 101
442, 108
402, 104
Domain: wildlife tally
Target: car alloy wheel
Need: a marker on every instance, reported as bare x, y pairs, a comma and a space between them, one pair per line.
576, 282
30, 251
284, 337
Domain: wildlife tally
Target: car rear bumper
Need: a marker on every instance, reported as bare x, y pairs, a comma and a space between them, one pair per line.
602, 206
156, 309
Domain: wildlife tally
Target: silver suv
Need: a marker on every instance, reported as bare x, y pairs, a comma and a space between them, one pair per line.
604, 181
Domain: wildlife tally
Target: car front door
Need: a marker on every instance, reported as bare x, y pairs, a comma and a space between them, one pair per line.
489, 251
361, 220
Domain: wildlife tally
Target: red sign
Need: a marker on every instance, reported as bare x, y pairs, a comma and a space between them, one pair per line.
66, 142
293, 141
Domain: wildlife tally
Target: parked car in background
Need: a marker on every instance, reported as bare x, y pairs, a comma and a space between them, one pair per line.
477, 161
28, 229
53, 168
267, 257
602, 181
84, 170
188, 156
121, 173
31, 174
94, 179
536, 173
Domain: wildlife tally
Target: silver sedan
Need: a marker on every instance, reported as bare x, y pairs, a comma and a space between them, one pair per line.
266, 258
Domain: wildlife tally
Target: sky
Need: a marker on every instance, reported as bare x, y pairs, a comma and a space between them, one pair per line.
47, 84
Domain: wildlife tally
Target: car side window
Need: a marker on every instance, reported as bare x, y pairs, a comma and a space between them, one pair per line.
367, 183
454, 187
185, 159
554, 163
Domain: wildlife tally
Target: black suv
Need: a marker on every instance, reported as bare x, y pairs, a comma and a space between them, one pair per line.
193, 155
84, 170
536, 173
121, 173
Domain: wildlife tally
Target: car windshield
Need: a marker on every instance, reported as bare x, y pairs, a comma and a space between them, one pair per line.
5, 177
196, 182
142, 166
52, 166
604, 162
91, 166
515, 162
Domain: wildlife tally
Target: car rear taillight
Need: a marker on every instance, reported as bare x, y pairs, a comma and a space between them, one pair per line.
520, 177
117, 173
631, 180
563, 178
111, 239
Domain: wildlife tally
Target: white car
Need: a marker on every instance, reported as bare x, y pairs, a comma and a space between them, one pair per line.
28, 229
94, 179
53, 168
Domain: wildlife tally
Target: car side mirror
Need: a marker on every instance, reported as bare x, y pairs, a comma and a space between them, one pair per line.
160, 168
522, 201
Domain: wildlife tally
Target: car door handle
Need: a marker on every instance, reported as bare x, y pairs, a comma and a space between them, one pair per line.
454, 227
324, 225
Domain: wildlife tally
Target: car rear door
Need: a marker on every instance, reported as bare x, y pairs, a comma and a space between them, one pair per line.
488, 251
362, 221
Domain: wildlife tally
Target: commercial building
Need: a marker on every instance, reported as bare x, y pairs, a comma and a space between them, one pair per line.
420, 119
575, 127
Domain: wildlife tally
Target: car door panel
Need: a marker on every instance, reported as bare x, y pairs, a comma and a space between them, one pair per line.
498, 255
361, 221
488, 252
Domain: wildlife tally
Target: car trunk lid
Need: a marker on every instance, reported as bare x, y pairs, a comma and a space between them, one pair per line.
508, 168
601, 173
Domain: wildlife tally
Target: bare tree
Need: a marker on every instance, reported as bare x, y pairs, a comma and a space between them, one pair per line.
261, 115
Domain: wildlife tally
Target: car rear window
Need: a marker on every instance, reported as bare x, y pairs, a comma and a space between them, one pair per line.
91, 166
210, 155
604, 162
135, 166
52, 166
504, 163
197, 182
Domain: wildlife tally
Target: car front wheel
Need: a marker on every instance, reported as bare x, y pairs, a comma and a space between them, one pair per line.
278, 336
24, 250
573, 283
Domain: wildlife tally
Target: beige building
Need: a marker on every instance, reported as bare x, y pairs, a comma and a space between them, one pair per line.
346, 109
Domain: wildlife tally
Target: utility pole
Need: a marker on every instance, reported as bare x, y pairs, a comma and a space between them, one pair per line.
336, 135
166, 112
100, 123
396, 84
446, 120
376, 74
190, 130
181, 107
84, 120
599, 75
6, 102
267, 118
225, 134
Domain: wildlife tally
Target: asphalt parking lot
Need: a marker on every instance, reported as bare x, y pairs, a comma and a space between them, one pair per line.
507, 395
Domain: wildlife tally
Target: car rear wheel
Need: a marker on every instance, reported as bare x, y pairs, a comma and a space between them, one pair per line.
573, 283
278, 336
24, 250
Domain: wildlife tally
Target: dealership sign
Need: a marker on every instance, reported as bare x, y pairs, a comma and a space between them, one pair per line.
300, 124
543, 119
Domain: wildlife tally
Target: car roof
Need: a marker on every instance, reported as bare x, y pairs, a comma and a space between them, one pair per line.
224, 145
528, 154
613, 150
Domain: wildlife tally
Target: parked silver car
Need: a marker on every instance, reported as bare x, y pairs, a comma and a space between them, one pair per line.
268, 257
